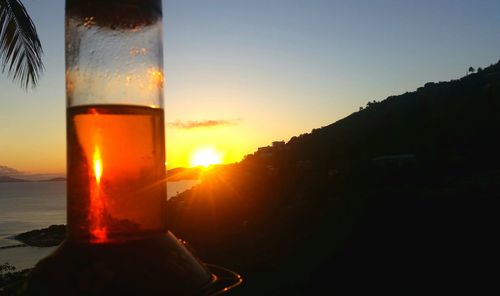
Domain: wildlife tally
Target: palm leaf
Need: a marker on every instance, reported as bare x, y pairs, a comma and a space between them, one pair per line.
20, 48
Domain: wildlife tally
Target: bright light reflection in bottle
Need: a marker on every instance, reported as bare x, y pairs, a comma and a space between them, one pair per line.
98, 231
97, 165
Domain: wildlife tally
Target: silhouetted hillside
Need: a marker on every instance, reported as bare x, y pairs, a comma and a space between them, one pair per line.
445, 124
57, 179
178, 174
400, 197
194, 173
7, 179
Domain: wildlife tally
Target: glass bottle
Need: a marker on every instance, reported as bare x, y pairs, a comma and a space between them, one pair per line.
115, 125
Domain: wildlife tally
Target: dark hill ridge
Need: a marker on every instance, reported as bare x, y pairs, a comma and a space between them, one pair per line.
400, 196
178, 174
7, 179
447, 123
56, 179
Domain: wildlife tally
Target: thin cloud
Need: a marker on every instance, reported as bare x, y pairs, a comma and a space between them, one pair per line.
191, 124
5, 170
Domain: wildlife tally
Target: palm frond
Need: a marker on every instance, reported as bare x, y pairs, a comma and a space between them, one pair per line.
20, 48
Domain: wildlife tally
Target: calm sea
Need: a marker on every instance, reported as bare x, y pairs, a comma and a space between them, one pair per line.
33, 205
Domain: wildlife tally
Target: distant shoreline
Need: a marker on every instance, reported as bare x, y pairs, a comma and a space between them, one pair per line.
14, 246
7, 179
173, 175
45, 237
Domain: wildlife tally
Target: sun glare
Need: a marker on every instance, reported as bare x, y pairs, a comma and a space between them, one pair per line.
205, 157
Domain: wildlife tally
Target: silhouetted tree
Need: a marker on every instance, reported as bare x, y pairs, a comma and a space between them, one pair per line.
20, 48
471, 70
6, 267
370, 104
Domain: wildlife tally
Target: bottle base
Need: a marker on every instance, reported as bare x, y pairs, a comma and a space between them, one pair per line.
156, 266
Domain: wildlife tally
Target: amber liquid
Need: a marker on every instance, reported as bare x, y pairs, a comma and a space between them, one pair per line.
116, 173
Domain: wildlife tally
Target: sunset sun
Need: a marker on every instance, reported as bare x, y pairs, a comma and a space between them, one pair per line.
205, 157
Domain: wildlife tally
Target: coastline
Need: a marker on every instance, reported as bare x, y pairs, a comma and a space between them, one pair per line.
24, 256
14, 246
34, 206
34, 245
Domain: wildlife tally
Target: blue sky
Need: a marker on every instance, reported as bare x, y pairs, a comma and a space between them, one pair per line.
277, 68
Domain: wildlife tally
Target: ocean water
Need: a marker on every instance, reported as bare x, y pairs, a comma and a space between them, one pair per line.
26, 206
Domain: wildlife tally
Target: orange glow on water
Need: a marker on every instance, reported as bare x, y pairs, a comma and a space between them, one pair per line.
98, 231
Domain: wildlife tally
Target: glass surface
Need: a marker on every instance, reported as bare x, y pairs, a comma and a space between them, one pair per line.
116, 156
114, 52
115, 125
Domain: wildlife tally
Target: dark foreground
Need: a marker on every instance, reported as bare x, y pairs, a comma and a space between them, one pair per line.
433, 234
